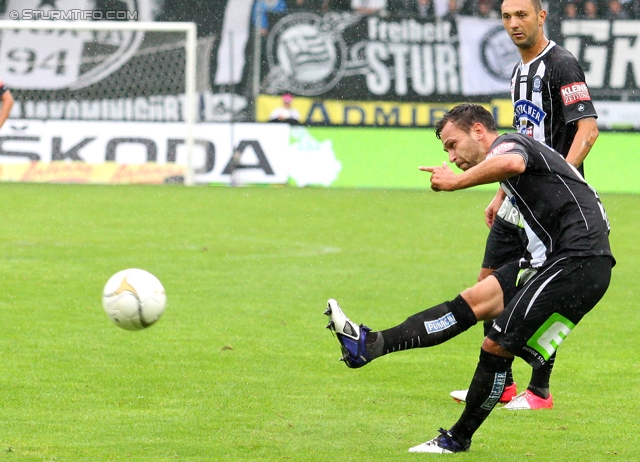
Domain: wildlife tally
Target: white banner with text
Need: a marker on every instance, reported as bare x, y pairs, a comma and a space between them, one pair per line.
139, 152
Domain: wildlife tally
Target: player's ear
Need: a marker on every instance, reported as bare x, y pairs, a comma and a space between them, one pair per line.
542, 17
478, 130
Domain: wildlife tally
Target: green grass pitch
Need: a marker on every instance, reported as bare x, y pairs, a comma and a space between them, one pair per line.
240, 366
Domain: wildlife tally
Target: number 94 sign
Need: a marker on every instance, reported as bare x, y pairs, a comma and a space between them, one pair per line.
40, 59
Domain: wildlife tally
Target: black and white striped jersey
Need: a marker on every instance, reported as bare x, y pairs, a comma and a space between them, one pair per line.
562, 214
549, 95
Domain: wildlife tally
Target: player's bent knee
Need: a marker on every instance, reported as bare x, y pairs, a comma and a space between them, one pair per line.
485, 299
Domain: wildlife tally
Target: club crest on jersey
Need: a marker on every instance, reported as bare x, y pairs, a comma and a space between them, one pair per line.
537, 84
575, 92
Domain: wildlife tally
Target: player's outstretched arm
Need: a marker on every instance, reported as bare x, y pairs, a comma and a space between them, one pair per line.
491, 170
583, 141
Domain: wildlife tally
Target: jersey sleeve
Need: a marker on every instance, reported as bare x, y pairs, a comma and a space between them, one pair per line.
575, 96
2, 88
508, 144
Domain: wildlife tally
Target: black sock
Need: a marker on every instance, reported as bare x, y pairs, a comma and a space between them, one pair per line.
428, 328
540, 377
487, 327
486, 388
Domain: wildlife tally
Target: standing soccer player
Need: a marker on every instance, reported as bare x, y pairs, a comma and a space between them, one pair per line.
7, 103
568, 268
552, 104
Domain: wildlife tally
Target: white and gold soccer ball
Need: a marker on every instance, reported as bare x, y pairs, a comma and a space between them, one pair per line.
134, 299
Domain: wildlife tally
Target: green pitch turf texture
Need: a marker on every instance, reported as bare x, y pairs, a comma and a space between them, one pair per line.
241, 367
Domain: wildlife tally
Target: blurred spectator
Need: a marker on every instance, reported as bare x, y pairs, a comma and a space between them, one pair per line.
616, 11
468, 7
338, 5
368, 6
260, 10
400, 7
634, 9
487, 9
412, 8
571, 11
564, 9
424, 8
591, 10
483, 8
312, 6
442, 8
626, 6
286, 113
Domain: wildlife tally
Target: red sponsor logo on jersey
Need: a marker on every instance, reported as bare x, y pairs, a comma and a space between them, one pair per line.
575, 92
501, 149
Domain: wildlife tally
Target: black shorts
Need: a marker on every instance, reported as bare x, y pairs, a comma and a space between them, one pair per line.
507, 276
545, 309
506, 242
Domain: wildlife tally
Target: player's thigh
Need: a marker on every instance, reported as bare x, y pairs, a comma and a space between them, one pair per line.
546, 309
488, 297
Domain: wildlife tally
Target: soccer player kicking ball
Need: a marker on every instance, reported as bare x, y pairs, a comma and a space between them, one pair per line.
552, 104
536, 301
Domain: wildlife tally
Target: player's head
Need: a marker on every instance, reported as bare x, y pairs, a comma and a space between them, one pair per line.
466, 132
524, 20
465, 116
287, 99
537, 4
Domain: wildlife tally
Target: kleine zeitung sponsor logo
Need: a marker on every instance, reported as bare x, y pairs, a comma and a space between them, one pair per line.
575, 92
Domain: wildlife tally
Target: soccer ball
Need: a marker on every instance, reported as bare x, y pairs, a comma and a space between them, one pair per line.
134, 299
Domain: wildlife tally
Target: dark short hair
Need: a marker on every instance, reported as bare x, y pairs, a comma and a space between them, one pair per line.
464, 116
537, 5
